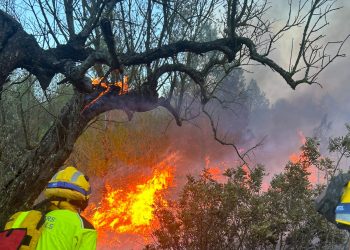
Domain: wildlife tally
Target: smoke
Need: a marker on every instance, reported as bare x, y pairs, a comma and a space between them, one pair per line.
315, 110
314, 117
333, 79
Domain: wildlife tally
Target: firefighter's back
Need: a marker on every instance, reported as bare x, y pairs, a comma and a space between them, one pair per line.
66, 230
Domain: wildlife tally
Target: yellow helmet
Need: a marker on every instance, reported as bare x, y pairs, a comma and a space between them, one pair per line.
69, 183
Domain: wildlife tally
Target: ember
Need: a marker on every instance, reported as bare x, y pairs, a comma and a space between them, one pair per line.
123, 85
105, 88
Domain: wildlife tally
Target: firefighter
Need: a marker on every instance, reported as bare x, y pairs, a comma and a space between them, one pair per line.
64, 228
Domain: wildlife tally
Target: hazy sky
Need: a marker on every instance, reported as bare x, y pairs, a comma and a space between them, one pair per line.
304, 108
333, 79
292, 112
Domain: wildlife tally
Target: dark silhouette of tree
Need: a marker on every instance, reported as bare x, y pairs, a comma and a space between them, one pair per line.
158, 44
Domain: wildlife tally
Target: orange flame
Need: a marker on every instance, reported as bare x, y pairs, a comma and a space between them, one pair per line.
216, 170
130, 211
98, 82
123, 85
304, 160
294, 158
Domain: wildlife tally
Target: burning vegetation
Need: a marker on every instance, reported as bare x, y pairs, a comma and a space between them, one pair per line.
305, 160
104, 87
241, 206
122, 86
126, 212
130, 210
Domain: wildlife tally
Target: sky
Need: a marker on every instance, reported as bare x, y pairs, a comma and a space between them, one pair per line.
302, 110
308, 111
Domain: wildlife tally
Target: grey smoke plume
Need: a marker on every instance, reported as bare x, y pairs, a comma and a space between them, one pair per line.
308, 106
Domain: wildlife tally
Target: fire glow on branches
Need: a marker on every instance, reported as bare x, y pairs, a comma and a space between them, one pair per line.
123, 85
120, 87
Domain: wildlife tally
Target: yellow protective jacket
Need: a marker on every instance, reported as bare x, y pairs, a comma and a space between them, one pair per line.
65, 229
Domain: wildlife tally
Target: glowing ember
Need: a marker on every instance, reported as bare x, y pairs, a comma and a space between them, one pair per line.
123, 85
98, 81
130, 211
123, 89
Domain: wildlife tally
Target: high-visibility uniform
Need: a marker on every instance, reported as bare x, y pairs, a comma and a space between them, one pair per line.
66, 230
342, 212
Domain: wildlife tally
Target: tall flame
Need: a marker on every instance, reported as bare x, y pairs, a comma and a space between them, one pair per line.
130, 210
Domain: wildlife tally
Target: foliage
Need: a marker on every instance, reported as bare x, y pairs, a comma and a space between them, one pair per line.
158, 44
111, 143
239, 214
26, 114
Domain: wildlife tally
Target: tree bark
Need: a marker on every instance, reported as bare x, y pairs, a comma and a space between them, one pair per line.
18, 49
35, 169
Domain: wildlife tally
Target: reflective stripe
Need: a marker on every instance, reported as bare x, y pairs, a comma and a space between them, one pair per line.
20, 219
75, 176
343, 218
81, 221
66, 185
